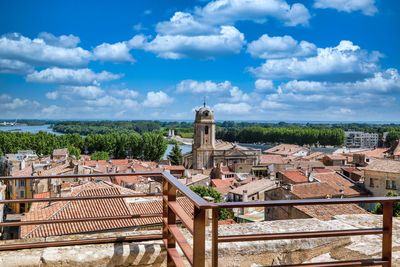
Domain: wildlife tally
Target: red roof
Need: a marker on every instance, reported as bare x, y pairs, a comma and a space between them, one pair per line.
271, 159
323, 170
222, 182
174, 167
313, 190
340, 184
295, 176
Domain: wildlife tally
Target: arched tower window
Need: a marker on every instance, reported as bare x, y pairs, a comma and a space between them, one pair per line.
206, 130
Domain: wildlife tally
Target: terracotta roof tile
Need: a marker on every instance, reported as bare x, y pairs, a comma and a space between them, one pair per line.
327, 212
295, 176
253, 187
222, 182
340, 184
271, 159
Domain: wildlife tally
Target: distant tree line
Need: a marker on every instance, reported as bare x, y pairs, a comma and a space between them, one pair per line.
148, 146
299, 136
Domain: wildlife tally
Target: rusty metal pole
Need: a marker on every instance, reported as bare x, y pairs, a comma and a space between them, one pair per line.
214, 260
171, 220
199, 237
387, 235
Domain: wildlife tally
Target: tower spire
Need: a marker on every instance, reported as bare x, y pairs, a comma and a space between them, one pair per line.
204, 101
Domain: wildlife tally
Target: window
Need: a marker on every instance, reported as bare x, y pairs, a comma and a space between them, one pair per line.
21, 182
22, 194
371, 182
394, 184
206, 130
387, 184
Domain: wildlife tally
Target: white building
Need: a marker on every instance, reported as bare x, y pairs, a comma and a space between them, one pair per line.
361, 139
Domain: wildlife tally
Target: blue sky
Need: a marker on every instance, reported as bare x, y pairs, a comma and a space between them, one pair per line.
316, 60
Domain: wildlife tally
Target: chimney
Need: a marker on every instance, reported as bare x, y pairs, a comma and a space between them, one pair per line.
290, 187
245, 197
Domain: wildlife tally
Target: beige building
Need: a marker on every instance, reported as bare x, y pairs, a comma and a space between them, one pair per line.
208, 152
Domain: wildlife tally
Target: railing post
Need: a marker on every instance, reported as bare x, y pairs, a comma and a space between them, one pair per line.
214, 260
199, 237
169, 217
387, 235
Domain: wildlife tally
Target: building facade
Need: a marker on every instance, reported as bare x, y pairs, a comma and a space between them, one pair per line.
361, 140
207, 152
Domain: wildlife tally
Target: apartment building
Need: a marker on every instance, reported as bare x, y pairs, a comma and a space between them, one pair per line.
361, 140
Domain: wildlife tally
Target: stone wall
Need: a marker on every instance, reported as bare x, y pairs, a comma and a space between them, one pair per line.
230, 254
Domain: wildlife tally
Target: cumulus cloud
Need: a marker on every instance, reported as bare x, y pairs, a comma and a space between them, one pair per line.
344, 60
117, 53
230, 11
126, 93
76, 93
367, 7
183, 23
237, 95
227, 42
52, 95
262, 85
10, 66
157, 99
67, 41
280, 47
70, 76
38, 53
197, 87
229, 108
8, 103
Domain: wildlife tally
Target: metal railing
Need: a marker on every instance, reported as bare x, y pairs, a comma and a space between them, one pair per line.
195, 254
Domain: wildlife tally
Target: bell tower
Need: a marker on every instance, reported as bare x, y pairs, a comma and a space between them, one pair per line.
204, 138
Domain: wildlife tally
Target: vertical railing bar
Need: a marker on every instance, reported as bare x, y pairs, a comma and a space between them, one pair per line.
171, 219
199, 237
387, 235
214, 236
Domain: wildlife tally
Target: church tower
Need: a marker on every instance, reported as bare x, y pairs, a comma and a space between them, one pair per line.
204, 138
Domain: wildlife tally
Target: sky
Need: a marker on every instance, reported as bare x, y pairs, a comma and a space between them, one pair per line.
265, 60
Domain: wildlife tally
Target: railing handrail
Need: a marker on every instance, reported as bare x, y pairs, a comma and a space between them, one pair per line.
300, 202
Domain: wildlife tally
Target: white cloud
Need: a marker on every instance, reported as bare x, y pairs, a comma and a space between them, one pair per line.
230, 11
264, 85
52, 95
229, 108
85, 91
196, 87
280, 47
71, 76
366, 6
7, 104
67, 41
10, 66
237, 95
139, 27
183, 23
344, 60
157, 99
229, 41
126, 93
37, 52
51, 111
118, 52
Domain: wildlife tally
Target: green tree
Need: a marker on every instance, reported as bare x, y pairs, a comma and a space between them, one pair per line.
74, 151
211, 192
175, 155
396, 205
100, 155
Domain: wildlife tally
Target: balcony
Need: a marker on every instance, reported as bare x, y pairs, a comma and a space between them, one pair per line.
198, 239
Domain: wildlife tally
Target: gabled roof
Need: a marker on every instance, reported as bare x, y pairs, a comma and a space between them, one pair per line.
253, 187
335, 157
80, 209
313, 190
384, 165
340, 184
271, 159
295, 176
285, 149
327, 212
60, 152
222, 182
